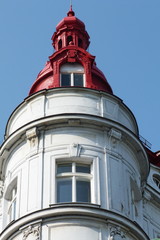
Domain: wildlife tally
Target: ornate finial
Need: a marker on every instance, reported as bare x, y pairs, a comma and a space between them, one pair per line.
71, 12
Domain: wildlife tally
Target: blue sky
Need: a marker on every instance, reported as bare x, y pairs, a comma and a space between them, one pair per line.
125, 38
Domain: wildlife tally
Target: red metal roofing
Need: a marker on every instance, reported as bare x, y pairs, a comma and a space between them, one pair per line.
73, 51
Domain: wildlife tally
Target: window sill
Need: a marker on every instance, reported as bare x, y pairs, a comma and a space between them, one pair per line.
76, 204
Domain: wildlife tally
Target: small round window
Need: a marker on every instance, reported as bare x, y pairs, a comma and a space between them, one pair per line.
156, 179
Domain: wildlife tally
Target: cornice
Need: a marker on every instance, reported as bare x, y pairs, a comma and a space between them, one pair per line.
76, 211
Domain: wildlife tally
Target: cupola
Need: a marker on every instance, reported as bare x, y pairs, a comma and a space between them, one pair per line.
71, 65
70, 31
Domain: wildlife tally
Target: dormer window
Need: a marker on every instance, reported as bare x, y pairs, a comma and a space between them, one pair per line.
72, 75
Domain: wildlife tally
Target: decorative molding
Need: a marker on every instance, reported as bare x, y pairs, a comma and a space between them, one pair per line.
75, 150
115, 134
74, 122
116, 233
136, 189
143, 186
34, 230
32, 137
88, 67
55, 68
9, 175
113, 153
32, 133
114, 138
72, 55
146, 197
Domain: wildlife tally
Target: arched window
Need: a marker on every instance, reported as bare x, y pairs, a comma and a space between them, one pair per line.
156, 179
72, 74
69, 40
60, 44
12, 205
11, 197
80, 42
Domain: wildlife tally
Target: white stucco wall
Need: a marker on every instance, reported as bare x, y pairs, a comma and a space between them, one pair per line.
73, 100
77, 125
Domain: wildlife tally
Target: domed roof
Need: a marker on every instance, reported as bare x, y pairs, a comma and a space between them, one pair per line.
70, 42
70, 20
154, 157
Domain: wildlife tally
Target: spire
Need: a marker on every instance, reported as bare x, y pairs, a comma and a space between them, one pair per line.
71, 12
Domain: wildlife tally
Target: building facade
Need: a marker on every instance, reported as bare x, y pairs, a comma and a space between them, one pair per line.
72, 163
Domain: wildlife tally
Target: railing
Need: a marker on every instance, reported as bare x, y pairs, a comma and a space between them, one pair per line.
145, 142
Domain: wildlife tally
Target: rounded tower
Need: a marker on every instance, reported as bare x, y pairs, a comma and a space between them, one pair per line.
72, 165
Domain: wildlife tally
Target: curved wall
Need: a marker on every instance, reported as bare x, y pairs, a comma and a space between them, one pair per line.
74, 221
71, 100
99, 131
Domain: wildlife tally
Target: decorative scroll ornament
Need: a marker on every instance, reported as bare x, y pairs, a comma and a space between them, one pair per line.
34, 230
72, 55
117, 234
32, 139
32, 135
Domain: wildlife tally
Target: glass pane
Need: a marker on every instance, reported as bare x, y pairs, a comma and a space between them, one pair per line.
63, 168
83, 168
65, 80
78, 79
64, 190
10, 213
14, 209
83, 191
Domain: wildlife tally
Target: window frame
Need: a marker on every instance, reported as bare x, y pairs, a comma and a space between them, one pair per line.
95, 182
156, 180
12, 205
11, 198
71, 69
74, 176
72, 79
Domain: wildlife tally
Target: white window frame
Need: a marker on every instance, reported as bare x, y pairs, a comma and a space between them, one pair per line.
156, 180
72, 68
12, 205
10, 196
95, 181
72, 79
86, 177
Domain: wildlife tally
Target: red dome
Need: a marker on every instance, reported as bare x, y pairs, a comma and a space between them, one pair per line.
154, 157
70, 20
70, 42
